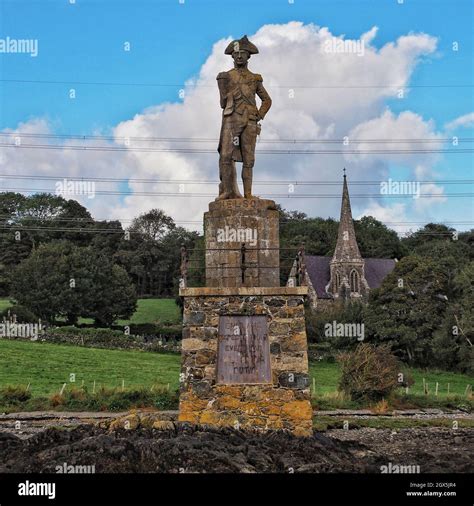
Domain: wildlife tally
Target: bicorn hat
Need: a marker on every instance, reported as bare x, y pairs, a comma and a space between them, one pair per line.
242, 44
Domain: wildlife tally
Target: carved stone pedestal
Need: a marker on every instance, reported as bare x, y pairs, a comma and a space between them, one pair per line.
227, 226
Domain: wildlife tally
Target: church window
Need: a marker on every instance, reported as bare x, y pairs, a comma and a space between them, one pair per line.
354, 278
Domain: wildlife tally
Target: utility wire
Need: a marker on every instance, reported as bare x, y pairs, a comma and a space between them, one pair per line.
289, 221
279, 195
295, 182
215, 140
261, 151
268, 84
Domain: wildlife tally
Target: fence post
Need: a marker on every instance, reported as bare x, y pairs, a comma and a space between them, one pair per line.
184, 267
301, 266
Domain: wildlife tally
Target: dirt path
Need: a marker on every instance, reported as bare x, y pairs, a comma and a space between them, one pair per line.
26, 424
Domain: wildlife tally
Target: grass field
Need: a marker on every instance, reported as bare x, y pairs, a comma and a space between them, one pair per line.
148, 311
155, 311
327, 374
48, 366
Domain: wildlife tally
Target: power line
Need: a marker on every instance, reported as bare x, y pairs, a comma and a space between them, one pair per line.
214, 86
289, 221
122, 231
280, 195
215, 140
260, 151
295, 182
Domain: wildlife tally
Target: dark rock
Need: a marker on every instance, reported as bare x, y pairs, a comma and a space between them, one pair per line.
194, 318
293, 380
275, 348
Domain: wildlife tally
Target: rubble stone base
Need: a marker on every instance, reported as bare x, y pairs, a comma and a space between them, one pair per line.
283, 403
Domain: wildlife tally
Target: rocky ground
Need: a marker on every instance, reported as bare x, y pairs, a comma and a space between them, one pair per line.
172, 448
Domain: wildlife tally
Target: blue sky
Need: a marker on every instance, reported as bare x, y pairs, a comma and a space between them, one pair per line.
171, 41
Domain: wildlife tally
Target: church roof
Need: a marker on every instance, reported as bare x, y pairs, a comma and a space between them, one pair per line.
318, 271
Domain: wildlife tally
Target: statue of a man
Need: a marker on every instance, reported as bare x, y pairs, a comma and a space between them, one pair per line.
240, 118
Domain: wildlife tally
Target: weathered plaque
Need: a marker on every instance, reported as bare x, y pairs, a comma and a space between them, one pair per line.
243, 350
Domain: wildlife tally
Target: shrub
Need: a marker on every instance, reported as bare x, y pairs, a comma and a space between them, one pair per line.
369, 372
13, 395
113, 399
153, 329
23, 314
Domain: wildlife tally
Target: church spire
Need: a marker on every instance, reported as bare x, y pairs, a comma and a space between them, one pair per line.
346, 246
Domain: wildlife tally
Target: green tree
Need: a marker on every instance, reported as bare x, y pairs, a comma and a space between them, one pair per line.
376, 240
61, 279
408, 308
452, 343
112, 296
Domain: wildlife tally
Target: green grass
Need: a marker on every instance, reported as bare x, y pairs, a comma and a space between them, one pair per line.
327, 374
154, 311
48, 366
148, 311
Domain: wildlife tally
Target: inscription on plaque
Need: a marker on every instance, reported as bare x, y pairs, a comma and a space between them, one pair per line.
243, 350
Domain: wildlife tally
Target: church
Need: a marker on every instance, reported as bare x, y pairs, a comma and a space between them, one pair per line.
346, 275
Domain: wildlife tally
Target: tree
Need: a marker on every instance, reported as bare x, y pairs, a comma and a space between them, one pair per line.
152, 225
454, 342
152, 255
407, 308
431, 232
28, 221
112, 295
319, 235
61, 279
376, 240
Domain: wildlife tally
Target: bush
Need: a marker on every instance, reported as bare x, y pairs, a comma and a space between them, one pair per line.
369, 372
14, 395
113, 399
153, 329
23, 314
112, 339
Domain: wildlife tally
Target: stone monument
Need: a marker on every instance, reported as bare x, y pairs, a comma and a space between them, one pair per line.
244, 348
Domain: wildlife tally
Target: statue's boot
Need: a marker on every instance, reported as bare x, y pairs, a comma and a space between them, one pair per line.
234, 192
228, 188
247, 180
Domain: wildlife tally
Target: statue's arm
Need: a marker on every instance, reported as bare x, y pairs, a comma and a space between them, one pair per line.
264, 97
222, 85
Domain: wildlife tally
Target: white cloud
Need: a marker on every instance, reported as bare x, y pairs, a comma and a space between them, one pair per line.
467, 120
297, 75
